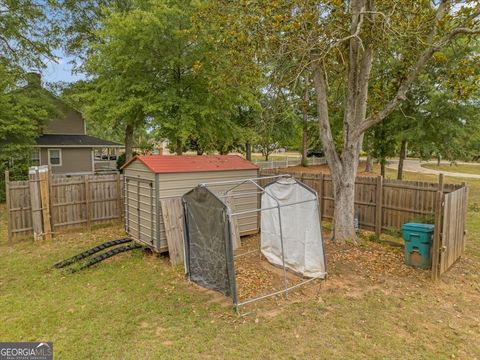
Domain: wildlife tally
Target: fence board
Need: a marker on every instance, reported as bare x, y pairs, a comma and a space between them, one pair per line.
7, 196
45, 197
172, 213
69, 203
236, 242
19, 208
36, 205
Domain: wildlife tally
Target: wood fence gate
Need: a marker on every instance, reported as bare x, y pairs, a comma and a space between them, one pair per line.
449, 236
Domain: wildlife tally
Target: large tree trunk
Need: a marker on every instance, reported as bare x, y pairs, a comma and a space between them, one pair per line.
439, 159
382, 167
369, 163
344, 194
304, 144
128, 142
305, 126
342, 167
403, 155
179, 147
248, 150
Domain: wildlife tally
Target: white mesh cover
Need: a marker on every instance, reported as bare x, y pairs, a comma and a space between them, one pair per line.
302, 237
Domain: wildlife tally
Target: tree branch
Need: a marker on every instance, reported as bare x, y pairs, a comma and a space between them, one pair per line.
365, 68
411, 77
353, 69
323, 119
9, 47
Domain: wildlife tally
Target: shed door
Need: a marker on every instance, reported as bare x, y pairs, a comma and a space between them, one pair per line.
140, 210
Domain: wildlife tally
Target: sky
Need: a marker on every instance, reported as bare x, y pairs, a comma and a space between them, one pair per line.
60, 71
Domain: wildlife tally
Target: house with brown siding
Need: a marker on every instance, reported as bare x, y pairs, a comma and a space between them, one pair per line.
63, 144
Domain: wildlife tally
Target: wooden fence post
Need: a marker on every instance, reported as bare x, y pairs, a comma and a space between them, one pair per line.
7, 196
465, 211
36, 203
437, 231
45, 196
378, 206
320, 194
87, 201
50, 202
436, 246
119, 196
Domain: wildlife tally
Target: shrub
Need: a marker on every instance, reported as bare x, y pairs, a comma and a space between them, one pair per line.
121, 160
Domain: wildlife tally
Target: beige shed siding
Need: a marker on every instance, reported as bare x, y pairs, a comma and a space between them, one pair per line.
137, 170
74, 160
176, 185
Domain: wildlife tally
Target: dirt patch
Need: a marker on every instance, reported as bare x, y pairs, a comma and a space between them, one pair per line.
257, 277
353, 271
371, 261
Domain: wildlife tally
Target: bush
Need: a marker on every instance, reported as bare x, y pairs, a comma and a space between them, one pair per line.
17, 167
121, 160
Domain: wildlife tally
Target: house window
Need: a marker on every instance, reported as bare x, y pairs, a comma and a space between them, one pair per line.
35, 160
55, 157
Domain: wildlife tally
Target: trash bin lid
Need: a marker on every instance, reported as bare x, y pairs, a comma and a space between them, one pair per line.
418, 227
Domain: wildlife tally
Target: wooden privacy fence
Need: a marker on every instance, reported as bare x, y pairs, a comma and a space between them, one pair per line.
380, 204
46, 203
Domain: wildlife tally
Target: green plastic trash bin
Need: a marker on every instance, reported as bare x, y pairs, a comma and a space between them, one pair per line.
418, 244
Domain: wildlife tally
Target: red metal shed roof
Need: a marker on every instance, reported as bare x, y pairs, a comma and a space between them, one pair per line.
192, 163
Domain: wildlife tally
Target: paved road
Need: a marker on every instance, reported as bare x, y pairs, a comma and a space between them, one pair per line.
414, 166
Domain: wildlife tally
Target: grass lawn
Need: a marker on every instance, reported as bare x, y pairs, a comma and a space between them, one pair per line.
460, 168
136, 306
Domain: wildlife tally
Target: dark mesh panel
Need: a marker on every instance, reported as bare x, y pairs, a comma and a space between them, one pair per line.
208, 254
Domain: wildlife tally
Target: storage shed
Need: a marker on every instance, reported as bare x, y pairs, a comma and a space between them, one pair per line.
154, 185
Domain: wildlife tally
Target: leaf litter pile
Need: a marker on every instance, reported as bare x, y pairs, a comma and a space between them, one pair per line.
372, 262
255, 275
367, 264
